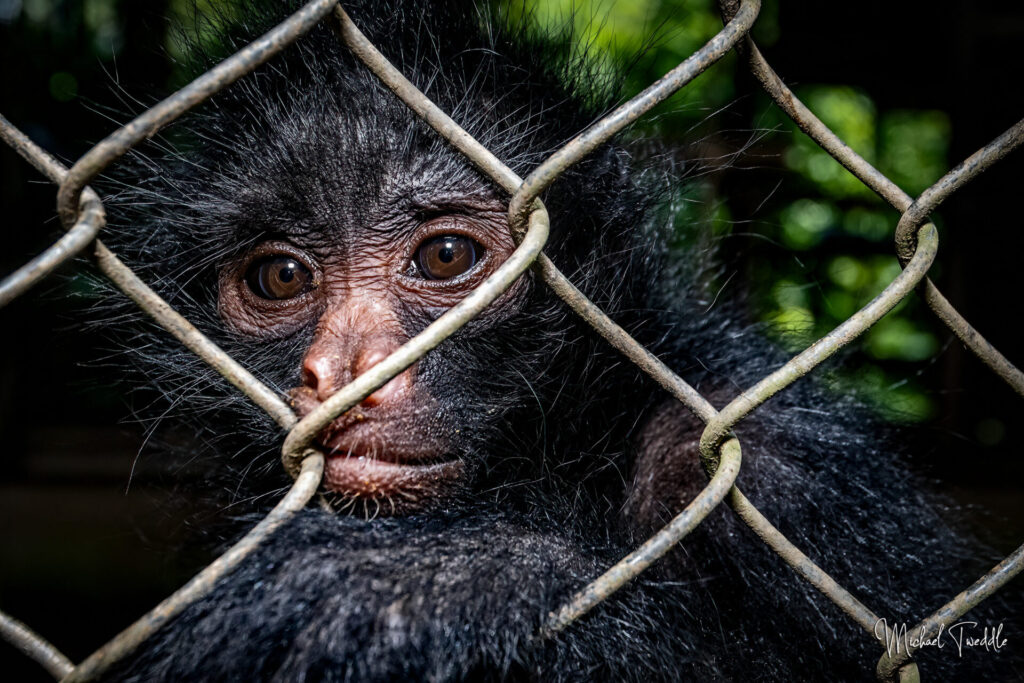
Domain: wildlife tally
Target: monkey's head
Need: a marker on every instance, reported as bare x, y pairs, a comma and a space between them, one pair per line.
365, 264
311, 224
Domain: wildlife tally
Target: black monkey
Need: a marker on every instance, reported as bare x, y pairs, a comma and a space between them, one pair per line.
310, 223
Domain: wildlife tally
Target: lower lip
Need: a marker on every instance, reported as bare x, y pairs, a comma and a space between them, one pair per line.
363, 477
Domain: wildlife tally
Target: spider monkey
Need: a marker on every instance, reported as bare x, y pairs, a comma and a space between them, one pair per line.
310, 223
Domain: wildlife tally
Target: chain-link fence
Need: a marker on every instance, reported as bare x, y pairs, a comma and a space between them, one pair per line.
82, 213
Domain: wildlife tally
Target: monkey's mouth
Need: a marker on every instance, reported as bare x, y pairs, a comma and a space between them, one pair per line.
399, 482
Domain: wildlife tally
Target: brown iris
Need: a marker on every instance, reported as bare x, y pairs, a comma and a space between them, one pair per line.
278, 277
447, 256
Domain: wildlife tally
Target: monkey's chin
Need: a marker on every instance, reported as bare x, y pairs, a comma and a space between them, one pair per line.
369, 486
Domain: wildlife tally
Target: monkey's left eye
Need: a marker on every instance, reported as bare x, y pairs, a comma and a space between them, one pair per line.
445, 257
278, 277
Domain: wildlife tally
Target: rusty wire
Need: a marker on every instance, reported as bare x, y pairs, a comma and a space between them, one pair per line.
81, 212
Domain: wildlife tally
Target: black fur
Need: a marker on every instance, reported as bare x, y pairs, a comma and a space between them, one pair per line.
553, 418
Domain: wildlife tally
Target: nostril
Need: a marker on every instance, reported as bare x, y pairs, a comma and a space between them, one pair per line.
374, 399
394, 392
368, 358
309, 379
322, 373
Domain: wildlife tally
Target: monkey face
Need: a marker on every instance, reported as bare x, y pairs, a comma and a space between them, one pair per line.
364, 290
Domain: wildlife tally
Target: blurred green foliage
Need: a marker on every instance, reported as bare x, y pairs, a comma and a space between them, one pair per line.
636, 42
100, 22
197, 20
838, 231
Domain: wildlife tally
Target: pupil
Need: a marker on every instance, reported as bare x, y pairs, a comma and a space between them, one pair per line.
447, 253
287, 273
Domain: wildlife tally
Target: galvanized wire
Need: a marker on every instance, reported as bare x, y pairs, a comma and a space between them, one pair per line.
213, 81
810, 124
172, 321
122, 645
525, 195
71, 243
34, 646
81, 212
914, 212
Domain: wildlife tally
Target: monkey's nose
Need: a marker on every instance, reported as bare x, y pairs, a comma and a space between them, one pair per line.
325, 371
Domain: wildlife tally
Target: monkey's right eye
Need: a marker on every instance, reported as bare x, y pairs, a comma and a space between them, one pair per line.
278, 277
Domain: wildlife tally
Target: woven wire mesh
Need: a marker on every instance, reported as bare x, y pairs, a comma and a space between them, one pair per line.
82, 214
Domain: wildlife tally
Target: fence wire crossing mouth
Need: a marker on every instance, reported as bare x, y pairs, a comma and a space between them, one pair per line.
81, 211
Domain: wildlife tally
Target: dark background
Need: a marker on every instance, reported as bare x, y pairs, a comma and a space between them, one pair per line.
84, 552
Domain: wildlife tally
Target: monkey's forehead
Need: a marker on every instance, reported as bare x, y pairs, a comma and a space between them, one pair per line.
319, 159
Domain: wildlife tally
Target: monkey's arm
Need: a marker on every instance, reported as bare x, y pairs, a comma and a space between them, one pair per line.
429, 598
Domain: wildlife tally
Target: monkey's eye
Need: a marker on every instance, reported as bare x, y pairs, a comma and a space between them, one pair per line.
447, 256
278, 277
